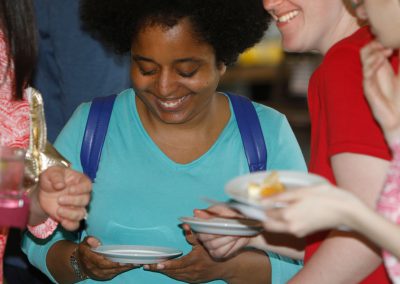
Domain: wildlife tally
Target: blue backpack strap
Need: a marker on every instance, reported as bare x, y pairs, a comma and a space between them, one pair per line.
95, 134
251, 132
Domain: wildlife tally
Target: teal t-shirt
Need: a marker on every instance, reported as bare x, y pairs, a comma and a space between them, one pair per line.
140, 193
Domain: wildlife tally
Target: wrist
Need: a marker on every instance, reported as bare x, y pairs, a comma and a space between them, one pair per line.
227, 270
355, 214
248, 266
76, 266
257, 242
37, 215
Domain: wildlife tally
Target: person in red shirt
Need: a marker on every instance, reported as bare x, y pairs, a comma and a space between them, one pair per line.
338, 207
347, 145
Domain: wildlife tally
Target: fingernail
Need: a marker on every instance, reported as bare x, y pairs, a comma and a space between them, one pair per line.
160, 266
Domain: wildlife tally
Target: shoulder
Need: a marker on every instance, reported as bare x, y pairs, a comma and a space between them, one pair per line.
268, 115
347, 51
124, 98
273, 123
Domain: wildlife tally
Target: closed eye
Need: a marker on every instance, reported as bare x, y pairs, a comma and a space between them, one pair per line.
188, 74
147, 72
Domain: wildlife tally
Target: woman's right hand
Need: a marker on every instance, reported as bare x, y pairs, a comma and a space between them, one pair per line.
312, 209
219, 246
96, 266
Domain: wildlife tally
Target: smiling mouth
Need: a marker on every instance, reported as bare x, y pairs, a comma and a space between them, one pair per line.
172, 103
286, 17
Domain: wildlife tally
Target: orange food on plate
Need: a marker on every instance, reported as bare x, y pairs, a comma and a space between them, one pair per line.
271, 185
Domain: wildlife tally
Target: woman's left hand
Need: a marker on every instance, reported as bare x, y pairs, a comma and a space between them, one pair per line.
195, 267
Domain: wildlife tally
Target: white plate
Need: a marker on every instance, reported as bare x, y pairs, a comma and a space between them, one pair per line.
237, 187
222, 226
137, 254
253, 212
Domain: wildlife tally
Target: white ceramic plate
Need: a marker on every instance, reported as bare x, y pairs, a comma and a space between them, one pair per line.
222, 226
137, 254
237, 188
256, 213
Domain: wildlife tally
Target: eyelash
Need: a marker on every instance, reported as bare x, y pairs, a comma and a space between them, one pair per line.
187, 75
147, 73
152, 72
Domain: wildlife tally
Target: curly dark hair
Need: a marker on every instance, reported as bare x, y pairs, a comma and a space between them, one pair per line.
229, 26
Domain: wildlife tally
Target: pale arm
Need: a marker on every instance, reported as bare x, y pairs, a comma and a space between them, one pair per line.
325, 207
378, 229
343, 254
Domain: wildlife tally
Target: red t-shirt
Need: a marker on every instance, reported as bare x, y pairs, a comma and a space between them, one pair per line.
341, 118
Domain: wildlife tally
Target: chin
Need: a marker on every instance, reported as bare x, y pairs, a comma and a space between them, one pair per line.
294, 45
173, 120
390, 42
294, 48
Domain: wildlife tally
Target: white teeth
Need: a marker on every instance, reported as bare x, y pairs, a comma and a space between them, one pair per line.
287, 17
171, 104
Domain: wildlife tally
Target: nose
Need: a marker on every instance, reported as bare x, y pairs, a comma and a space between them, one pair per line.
166, 84
271, 4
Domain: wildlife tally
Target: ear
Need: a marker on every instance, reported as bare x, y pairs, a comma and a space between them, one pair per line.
222, 68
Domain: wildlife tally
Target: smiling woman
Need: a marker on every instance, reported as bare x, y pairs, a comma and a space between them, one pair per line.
172, 139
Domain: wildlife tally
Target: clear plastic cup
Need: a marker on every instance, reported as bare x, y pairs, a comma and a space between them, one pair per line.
11, 177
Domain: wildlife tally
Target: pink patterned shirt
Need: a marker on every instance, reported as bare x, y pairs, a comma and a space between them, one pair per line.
389, 206
14, 132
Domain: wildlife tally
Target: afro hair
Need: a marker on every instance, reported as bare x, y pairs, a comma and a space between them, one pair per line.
229, 26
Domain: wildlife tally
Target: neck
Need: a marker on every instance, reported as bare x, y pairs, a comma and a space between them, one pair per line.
345, 26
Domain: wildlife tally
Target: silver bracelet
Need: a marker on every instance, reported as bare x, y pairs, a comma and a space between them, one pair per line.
73, 260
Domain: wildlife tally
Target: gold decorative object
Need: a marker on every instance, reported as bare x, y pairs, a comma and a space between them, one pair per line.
41, 154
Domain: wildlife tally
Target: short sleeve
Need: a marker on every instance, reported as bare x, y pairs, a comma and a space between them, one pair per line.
351, 126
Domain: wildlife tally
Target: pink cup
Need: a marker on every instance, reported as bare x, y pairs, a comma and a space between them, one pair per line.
11, 177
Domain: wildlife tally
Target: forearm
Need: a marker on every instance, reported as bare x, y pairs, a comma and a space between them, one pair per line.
342, 258
379, 230
249, 266
58, 262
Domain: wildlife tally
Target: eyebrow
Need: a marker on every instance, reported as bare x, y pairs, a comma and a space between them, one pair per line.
181, 60
142, 58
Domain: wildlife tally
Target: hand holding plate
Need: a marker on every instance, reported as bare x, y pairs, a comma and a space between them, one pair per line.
95, 265
220, 246
195, 267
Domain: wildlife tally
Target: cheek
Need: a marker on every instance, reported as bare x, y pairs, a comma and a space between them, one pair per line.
139, 82
204, 84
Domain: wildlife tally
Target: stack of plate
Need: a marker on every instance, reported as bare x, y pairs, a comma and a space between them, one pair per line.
237, 189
